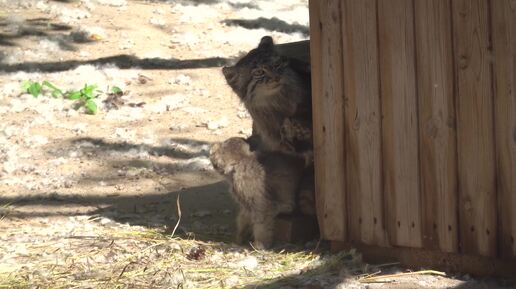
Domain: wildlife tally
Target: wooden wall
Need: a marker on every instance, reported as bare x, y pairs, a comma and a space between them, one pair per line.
415, 123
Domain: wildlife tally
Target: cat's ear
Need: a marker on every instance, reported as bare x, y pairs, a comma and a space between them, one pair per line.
266, 43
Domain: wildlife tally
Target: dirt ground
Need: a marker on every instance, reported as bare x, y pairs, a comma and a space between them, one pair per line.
91, 201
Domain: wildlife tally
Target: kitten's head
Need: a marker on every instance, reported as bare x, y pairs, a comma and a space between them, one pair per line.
254, 67
226, 155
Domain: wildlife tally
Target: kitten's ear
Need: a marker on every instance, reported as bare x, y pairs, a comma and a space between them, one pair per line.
266, 42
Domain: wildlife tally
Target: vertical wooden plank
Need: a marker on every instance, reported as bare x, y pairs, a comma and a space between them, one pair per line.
504, 44
400, 121
316, 73
477, 191
328, 117
434, 50
363, 127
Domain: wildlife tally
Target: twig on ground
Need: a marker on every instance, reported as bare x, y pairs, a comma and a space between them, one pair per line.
178, 215
378, 279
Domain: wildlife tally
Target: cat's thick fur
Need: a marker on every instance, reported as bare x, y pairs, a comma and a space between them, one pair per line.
274, 92
264, 184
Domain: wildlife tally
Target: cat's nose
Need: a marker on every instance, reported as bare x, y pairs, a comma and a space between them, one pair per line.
228, 72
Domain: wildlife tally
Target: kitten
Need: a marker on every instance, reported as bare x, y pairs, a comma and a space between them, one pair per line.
263, 183
272, 90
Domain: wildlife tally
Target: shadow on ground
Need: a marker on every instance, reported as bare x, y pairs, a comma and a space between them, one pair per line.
271, 24
101, 145
121, 61
43, 29
146, 192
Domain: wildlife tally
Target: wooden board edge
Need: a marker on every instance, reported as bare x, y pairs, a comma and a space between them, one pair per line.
416, 258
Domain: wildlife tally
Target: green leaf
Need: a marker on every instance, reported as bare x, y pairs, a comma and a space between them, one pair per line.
34, 89
87, 91
55, 91
91, 106
25, 85
117, 90
73, 94
50, 85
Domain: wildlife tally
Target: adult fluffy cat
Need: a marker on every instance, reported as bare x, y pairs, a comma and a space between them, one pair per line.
275, 94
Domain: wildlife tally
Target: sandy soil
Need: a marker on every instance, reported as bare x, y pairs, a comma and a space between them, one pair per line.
70, 181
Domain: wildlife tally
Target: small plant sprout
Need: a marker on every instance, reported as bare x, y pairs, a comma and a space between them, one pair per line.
36, 88
84, 96
33, 88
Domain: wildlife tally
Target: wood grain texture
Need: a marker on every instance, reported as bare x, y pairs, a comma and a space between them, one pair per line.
437, 132
363, 123
504, 44
328, 117
477, 190
400, 122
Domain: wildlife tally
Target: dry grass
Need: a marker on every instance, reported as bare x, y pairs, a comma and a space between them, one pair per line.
145, 259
